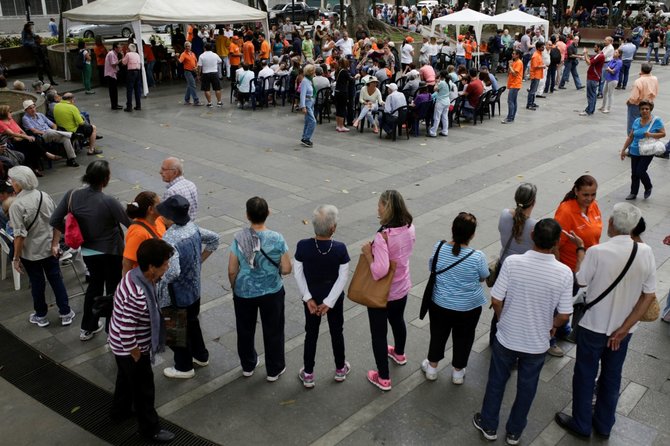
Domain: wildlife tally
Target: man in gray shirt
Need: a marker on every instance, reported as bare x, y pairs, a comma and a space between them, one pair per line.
394, 100
627, 54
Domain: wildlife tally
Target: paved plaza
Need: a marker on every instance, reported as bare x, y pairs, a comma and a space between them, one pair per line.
234, 154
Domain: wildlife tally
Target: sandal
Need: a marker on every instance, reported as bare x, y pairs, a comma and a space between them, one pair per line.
53, 157
94, 152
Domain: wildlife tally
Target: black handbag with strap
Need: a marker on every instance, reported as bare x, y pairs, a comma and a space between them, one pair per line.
37, 214
430, 286
580, 308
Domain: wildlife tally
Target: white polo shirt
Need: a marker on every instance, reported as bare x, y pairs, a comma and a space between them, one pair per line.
601, 266
532, 285
346, 46
608, 52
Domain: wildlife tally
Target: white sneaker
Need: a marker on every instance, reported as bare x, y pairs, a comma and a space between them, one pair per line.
171, 372
66, 319
39, 321
458, 376
430, 371
250, 373
85, 335
556, 351
276, 377
201, 363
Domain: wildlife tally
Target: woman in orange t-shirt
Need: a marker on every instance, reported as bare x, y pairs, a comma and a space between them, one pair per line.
146, 224
579, 213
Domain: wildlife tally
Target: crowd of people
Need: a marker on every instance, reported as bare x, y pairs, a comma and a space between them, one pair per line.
155, 265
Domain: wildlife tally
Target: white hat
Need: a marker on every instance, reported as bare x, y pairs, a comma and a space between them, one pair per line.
28, 103
392, 87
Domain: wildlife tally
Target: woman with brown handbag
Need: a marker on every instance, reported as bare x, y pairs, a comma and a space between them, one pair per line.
393, 242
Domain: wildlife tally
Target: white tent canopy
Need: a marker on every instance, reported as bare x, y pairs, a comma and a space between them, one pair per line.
163, 11
467, 17
516, 17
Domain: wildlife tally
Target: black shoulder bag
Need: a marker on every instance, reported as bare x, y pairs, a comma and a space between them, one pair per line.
493, 272
430, 286
37, 214
580, 308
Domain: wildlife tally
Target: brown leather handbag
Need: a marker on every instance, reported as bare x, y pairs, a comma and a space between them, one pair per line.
367, 291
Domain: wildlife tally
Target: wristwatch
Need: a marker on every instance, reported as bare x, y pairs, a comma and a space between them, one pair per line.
580, 248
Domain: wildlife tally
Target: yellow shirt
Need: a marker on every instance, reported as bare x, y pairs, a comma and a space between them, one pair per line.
67, 116
222, 45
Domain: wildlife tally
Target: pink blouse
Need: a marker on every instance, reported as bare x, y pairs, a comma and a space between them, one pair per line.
399, 248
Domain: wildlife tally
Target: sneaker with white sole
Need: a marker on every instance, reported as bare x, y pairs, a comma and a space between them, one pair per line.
512, 439
171, 372
341, 374
306, 378
398, 359
249, 373
490, 435
39, 321
429, 370
458, 376
200, 363
556, 351
373, 377
66, 319
274, 378
86, 335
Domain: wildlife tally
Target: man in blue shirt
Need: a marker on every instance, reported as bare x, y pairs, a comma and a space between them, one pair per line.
40, 126
627, 51
53, 27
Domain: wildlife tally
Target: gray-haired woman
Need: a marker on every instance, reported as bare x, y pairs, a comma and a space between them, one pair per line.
321, 268
36, 246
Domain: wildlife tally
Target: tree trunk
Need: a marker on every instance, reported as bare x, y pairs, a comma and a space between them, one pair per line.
501, 6
361, 16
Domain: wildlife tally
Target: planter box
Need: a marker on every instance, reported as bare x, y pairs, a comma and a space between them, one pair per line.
15, 101
17, 57
57, 57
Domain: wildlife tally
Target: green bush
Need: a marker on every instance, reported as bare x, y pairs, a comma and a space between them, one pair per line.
15, 41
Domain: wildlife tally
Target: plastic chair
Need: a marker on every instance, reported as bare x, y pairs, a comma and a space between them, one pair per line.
455, 113
424, 111
496, 100
323, 103
257, 92
67, 259
282, 82
481, 108
5, 239
400, 120
233, 91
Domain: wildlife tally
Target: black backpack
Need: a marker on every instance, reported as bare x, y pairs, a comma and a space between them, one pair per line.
555, 56
80, 61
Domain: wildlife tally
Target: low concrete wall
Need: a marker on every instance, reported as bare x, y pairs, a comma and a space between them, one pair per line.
15, 101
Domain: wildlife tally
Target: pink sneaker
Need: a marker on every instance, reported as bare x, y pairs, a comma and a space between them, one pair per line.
373, 377
398, 359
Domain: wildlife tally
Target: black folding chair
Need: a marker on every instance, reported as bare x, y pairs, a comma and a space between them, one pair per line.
323, 103
496, 100
423, 111
399, 121
455, 113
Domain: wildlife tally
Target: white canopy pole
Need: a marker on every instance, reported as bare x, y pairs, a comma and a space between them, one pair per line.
137, 29
66, 71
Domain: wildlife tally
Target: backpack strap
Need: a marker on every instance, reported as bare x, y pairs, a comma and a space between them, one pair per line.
147, 228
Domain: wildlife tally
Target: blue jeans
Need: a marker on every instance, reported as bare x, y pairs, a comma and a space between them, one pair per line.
550, 83
651, 48
525, 59
310, 121
190, 87
133, 81
571, 68
529, 367
623, 74
149, 68
592, 350
460, 60
638, 173
36, 270
511, 103
591, 96
666, 310
667, 55
531, 94
633, 114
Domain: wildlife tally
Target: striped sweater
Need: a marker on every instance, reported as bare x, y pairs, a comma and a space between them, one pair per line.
130, 325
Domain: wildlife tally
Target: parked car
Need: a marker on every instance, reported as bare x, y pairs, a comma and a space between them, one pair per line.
300, 13
334, 12
91, 31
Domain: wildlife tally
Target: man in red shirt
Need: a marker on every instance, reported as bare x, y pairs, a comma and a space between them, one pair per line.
593, 74
536, 73
472, 92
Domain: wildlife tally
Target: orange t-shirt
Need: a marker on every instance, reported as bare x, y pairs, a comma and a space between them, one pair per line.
234, 55
265, 50
100, 53
468, 50
536, 69
588, 227
248, 51
188, 59
514, 80
137, 234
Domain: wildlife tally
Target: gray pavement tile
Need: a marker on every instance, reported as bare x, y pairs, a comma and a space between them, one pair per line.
651, 410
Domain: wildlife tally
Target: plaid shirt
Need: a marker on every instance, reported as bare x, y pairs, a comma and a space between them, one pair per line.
185, 188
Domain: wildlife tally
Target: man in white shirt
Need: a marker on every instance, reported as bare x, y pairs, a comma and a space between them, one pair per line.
345, 44
394, 100
536, 290
266, 73
606, 328
608, 52
208, 70
320, 82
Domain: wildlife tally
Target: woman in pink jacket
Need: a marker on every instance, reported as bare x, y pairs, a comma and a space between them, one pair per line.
394, 241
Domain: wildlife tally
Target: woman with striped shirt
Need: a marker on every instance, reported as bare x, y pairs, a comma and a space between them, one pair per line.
457, 298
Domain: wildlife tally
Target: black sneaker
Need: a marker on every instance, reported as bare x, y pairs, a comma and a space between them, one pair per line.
512, 439
72, 163
477, 422
306, 143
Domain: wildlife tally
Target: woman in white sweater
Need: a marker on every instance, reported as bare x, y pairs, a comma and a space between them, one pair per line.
370, 99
